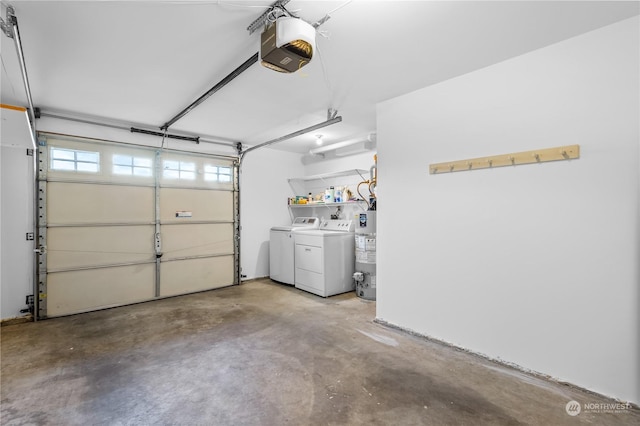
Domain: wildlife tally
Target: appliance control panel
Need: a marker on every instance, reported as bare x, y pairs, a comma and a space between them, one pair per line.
311, 222
337, 225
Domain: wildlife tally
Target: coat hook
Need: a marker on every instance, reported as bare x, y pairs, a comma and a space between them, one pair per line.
536, 156
490, 162
450, 167
470, 164
512, 159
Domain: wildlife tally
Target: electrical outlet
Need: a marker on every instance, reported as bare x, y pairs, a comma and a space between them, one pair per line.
30, 236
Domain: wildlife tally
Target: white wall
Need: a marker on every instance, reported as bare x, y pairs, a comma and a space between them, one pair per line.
16, 214
264, 191
16, 220
535, 265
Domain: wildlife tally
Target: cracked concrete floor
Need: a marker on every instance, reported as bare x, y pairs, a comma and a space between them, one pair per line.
262, 353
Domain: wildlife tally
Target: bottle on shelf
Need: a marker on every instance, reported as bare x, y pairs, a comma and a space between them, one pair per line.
338, 195
329, 195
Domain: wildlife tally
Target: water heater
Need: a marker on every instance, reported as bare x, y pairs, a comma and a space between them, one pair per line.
365, 275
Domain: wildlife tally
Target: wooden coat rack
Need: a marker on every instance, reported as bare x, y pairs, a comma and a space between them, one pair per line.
515, 159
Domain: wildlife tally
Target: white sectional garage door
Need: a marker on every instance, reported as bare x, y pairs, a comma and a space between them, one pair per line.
121, 224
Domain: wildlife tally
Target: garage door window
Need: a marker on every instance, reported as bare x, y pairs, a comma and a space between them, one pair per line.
73, 160
132, 166
217, 174
179, 170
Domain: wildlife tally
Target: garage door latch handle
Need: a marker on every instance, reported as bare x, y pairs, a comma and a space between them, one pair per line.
158, 244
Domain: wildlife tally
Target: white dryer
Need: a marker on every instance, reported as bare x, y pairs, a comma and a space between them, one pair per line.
281, 248
325, 258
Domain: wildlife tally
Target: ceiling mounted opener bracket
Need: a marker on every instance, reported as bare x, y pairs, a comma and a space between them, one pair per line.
7, 27
260, 20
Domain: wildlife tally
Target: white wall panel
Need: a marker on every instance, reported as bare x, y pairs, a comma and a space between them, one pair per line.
16, 211
264, 192
16, 219
535, 265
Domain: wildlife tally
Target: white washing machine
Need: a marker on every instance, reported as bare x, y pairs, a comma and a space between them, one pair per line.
325, 258
282, 248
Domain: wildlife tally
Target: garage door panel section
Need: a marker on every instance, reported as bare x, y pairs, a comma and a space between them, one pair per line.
122, 224
195, 171
86, 246
181, 205
82, 291
80, 203
197, 240
189, 276
197, 224
72, 160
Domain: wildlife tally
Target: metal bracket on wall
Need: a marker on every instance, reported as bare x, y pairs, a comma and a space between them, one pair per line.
157, 219
40, 301
237, 229
514, 159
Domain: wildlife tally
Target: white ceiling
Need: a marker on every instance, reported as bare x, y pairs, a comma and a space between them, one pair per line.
144, 62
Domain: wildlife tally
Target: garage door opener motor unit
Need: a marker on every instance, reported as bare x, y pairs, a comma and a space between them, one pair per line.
287, 45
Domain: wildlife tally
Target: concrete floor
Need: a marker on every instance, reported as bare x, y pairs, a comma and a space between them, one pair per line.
262, 354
